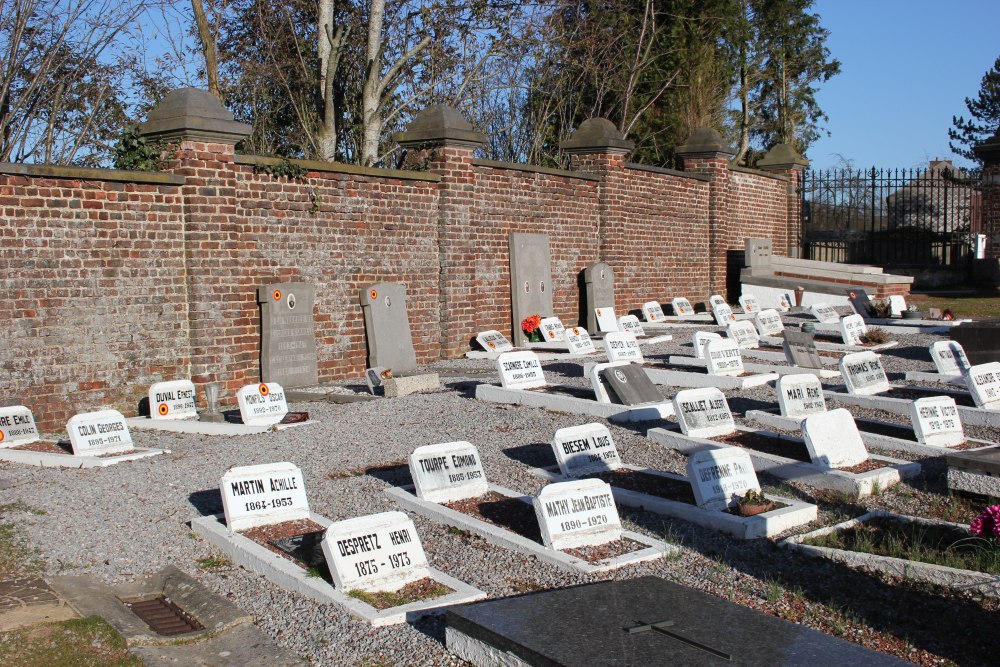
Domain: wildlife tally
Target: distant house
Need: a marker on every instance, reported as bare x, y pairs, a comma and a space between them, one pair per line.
938, 200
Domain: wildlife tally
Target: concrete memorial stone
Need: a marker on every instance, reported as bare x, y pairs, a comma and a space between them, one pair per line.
260, 495
785, 302
723, 314
375, 553
630, 384
983, 381
520, 370
824, 312
606, 319
897, 304
578, 341
652, 311
700, 339
17, 426
768, 322
720, 477
682, 307
262, 404
494, 341
447, 472
833, 440
586, 449
577, 513
723, 357
749, 304
599, 295
949, 357
744, 334
703, 413
552, 329
860, 302
99, 433
800, 350
852, 328
716, 300
530, 279
288, 339
863, 373
172, 400
800, 395
631, 324
622, 347
936, 422
387, 326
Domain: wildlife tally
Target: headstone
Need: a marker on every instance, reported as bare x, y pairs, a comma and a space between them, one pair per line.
936, 422
757, 251
578, 341
785, 301
897, 304
17, 426
494, 341
606, 319
863, 373
586, 449
378, 552
833, 440
387, 326
700, 339
703, 413
446, 472
720, 477
652, 311
287, 336
599, 294
723, 358
983, 381
768, 322
723, 314
631, 385
172, 400
852, 328
262, 404
716, 300
949, 357
749, 304
530, 280
622, 347
682, 307
824, 312
552, 329
744, 334
99, 433
631, 324
263, 494
520, 370
800, 350
577, 513
860, 302
800, 395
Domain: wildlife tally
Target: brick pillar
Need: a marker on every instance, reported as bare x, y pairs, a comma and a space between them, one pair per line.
440, 140
706, 152
989, 153
784, 160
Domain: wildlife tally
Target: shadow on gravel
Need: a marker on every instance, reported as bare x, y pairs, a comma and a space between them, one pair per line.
391, 474
740, 404
536, 455
208, 502
464, 388
565, 369
913, 352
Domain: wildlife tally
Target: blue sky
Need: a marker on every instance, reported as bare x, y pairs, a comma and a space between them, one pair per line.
906, 68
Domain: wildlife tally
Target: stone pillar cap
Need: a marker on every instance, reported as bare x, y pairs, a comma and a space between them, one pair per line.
597, 135
782, 156
704, 141
989, 150
441, 125
196, 114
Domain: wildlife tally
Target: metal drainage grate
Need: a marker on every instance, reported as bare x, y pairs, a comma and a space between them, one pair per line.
164, 617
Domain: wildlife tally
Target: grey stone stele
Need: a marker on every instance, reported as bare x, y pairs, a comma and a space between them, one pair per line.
674, 378
287, 334
529, 266
598, 291
901, 406
387, 327
780, 369
54, 460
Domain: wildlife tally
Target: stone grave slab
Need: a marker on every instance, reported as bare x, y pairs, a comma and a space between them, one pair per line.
446, 472
622, 346
387, 327
897, 304
99, 433
552, 329
800, 350
768, 322
701, 338
825, 313
744, 334
172, 400
17, 426
980, 339
682, 307
631, 324
936, 422
749, 304
800, 395
578, 341
860, 302
949, 357
723, 358
262, 404
577, 513
863, 374
494, 341
606, 320
530, 279
599, 294
652, 311
703, 413
263, 494
723, 314
833, 439
287, 335
852, 328
716, 300
630, 384
983, 381
585, 449
720, 477
520, 370
378, 552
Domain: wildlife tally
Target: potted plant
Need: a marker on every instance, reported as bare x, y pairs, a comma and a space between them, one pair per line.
753, 502
912, 313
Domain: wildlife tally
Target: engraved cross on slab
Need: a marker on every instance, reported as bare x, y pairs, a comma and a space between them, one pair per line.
662, 626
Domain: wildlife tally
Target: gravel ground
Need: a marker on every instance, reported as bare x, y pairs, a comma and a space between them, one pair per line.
132, 519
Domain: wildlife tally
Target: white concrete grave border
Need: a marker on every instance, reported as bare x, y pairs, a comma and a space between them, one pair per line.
759, 369
901, 406
643, 412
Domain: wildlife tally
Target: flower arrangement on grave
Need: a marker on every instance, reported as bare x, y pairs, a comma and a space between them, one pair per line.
752, 503
987, 524
532, 328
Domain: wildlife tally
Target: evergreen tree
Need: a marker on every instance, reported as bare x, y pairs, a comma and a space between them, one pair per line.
984, 118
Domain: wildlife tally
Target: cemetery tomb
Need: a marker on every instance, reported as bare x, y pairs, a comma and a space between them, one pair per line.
983, 381
749, 304
599, 297
652, 311
897, 304
863, 374
288, 340
682, 307
800, 395
586, 449
631, 324
852, 328
387, 325
824, 312
800, 350
622, 347
446, 472
262, 404
99, 433
703, 413
17, 427
833, 439
261, 495
578, 341
530, 280
379, 552
860, 302
768, 322
606, 319
723, 314
720, 477
552, 329
629, 383
949, 357
936, 422
494, 341
723, 358
701, 338
744, 334
577, 513
716, 300
520, 370
172, 400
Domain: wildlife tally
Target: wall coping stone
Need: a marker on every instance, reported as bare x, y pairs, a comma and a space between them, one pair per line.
705, 142
782, 156
89, 173
440, 125
668, 172
493, 164
193, 114
339, 168
597, 135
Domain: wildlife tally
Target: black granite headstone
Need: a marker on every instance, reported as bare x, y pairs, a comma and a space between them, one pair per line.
631, 385
979, 339
643, 621
800, 349
860, 302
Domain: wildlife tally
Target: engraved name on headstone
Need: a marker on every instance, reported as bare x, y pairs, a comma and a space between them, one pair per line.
577, 513
631, 324
288, 339
582, 450
682, 306
744, 334
716, 300
520, 370
494, 341
852, 328
378, 552
768, 322
800, 395
720, 477
99, 433
863, 373
652, 311
578, 341
262, 404
17, 426
824, 312
949, 357
263, 494
703, 413
700, 338
723, 358
552, 329
936, 422
983, 381
723, 314
749, 304
446, 472
622, 346
172, 400
800, 350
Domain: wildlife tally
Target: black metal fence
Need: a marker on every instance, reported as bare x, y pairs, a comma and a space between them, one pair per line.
891, 217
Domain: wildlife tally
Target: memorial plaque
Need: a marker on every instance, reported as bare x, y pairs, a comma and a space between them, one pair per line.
863, 374
387, 325
682, 307
520, 370
262, 404
652, 311
824, 312
622, 347
716, 300
800, 395
833, 440
631, 324
447, 472
378, 552
720, 477
749, 304
800, 350
723, 358
860, 302
577, 513
852, 328
785, 302
768, 322
494, 341
723, 314
703, 413
936, 422
631, 385
172, 400
530, 279
983, 381
700, 339
17, 426
288, 339
586, 449
897, 304
99, 433
578, 341
744, 334
949, 357
606, 319
552, 329
264, 494
598, 294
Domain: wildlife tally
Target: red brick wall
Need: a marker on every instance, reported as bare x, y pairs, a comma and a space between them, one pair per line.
757, 206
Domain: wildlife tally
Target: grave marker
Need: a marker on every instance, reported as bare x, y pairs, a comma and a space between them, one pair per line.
586, 449
378, 552
723, 314
17, 426
172, 400
824, 312
897, 304
703, 413
262, 404
785, 302
852, 328
288, 339
936, 422
99, 433
682, 306
578, 341
768, 322
622, 347
530, 279
833, 439
800, 395
577, 513
949, 357
716, 300
723, 357
552, 329
720, 477
630, 384
606, 319
631, 324
446, 472
652, 311
749, 304
599, 295
744, 334
520, 370
264, 494
494, 341
800, 350
863, 373
860, 302
700, 339
387, 325
983, 381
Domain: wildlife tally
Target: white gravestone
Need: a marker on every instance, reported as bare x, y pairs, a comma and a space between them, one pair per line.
768, 322
262, 404
520, 370
631, 324
578, 341
622, 347
716, 300
983, 381
552, 329
723, 314
723, 358
852, 328
703, 413
749, 304
446, 472
172, 400
99, 433
824, 312
949, 357
682, 307
800, 395
833, 440
863, 374
494, 341
744, 334
652, 311
17, 426
936, 422
577, 513
606, 319
785, 302
264, 494
700, 339
897, 304
375, 553
586, 449
720, 477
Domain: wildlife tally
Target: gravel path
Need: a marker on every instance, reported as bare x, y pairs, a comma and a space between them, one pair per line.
131, 519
